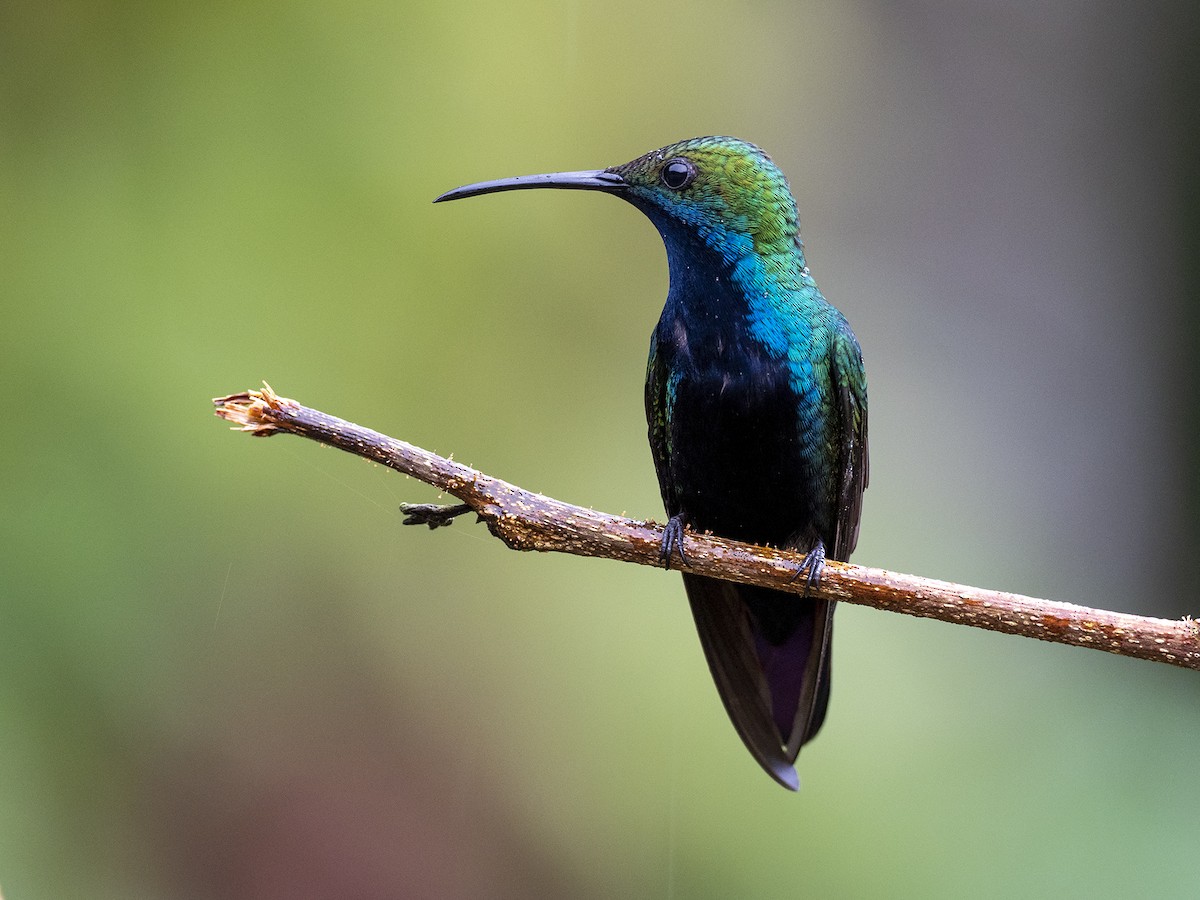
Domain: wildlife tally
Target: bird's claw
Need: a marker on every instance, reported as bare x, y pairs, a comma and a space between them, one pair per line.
435, 515
814, 563
672, 543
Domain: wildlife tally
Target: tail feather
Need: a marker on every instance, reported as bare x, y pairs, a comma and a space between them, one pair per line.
768, 652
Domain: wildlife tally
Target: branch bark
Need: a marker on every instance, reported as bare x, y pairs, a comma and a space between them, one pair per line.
527, 521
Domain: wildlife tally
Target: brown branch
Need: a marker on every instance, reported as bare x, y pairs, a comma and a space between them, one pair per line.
528, 521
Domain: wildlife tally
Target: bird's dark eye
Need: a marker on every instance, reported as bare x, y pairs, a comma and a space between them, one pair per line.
678, 173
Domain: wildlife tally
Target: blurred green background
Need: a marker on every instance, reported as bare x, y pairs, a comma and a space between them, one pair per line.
228, 672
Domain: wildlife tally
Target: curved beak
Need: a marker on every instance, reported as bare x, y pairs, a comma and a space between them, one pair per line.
597, 180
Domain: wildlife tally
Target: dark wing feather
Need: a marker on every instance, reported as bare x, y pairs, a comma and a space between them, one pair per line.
850, 396
657, 412
850, 392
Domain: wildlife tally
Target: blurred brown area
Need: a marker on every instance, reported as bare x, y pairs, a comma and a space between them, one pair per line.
329, 790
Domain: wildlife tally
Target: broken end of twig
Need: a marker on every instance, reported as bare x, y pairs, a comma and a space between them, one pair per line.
252, 411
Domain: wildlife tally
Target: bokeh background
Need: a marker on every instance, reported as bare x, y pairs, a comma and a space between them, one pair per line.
228, 672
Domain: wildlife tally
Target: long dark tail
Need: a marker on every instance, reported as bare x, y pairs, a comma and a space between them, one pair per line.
769, 656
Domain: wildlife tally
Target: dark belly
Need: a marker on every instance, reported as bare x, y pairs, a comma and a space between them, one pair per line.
737, 462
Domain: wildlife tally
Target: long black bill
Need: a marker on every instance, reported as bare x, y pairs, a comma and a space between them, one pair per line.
598, 180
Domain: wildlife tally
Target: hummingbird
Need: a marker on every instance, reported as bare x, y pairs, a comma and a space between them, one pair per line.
756, 402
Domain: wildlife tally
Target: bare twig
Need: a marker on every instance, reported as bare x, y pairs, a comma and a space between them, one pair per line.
529, 521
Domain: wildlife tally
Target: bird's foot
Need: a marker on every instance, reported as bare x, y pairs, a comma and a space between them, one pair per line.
814, 563
435, 515
672, 542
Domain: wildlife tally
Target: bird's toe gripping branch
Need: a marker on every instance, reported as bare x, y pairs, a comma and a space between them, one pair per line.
672, 542
814, 564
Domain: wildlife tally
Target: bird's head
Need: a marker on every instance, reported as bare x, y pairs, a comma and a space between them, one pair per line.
721, 190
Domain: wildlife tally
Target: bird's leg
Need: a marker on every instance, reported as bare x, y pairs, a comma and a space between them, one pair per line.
435, 515
814, 562
672, 541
